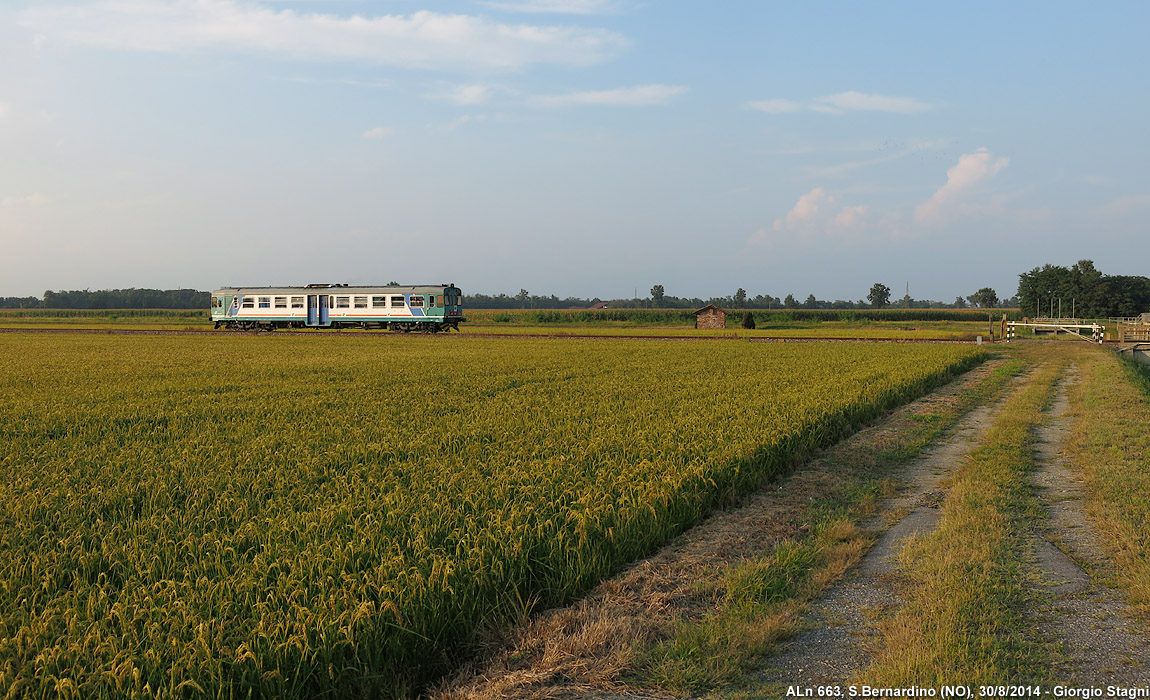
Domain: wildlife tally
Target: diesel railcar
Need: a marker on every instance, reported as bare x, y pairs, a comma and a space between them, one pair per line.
428, 308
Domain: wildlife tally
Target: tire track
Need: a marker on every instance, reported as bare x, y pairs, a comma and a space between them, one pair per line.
1098, 642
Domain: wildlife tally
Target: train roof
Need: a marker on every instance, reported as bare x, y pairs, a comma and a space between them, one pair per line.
333, 289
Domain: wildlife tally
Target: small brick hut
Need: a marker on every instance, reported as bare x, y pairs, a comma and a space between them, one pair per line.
710, 316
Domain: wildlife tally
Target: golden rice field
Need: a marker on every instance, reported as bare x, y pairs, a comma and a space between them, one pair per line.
303, 516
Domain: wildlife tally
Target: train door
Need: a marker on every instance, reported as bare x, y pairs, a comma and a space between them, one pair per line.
317, 310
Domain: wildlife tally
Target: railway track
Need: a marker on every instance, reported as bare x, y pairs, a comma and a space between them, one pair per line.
572, 336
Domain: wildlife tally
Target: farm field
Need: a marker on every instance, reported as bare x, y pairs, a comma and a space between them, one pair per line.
297, 515
992, 534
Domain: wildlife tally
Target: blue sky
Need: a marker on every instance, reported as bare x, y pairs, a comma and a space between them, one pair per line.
574, 147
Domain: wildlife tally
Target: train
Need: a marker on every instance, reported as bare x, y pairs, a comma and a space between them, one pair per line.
426, 308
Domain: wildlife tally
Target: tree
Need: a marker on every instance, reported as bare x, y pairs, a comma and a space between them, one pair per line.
740, 298
657, 295
522, 297
811, 302
791, 302
879, 295
749, 320
985, 298
959, 303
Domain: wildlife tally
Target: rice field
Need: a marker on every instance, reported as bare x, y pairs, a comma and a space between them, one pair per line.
307, 516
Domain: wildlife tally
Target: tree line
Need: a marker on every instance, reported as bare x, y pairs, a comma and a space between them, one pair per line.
1083, 291
112, 299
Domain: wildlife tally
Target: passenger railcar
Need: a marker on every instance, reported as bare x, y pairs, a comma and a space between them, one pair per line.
429, 308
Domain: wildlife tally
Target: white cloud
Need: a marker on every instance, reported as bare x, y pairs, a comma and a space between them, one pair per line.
468, 94
379, 132
421, 40
564, 7
818, 211
850, 217
946, 202
776, 106
809, 206
842, 102
638, 96
858, 101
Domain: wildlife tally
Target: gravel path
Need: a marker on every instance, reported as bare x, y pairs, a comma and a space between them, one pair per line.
834, 645
1101, 642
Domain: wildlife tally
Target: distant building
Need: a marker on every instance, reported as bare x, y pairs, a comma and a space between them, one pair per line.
597, 307
710, 316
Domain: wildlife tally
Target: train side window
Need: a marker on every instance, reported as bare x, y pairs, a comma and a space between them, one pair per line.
397, 301
379, 302
361, 302
297, 302
249, 302
265, 302
342, 302
281, 302
416, 300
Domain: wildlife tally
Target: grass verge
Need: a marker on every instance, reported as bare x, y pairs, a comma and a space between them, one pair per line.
761, 600
967, 596
1111, 445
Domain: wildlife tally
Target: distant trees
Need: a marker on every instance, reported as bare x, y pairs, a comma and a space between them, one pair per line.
19, 302
1084, 291
791, 302
522, 297
985, 298
126, 299
879, 295
657, 295
740, 298
959, 303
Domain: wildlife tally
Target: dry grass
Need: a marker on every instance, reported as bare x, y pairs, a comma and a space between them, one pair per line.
1111, 444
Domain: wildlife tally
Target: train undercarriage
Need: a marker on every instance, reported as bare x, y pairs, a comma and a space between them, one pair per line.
394, 326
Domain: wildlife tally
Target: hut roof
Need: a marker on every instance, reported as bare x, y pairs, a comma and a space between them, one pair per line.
708, 306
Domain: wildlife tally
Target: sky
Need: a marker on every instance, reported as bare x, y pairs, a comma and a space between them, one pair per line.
589, 148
